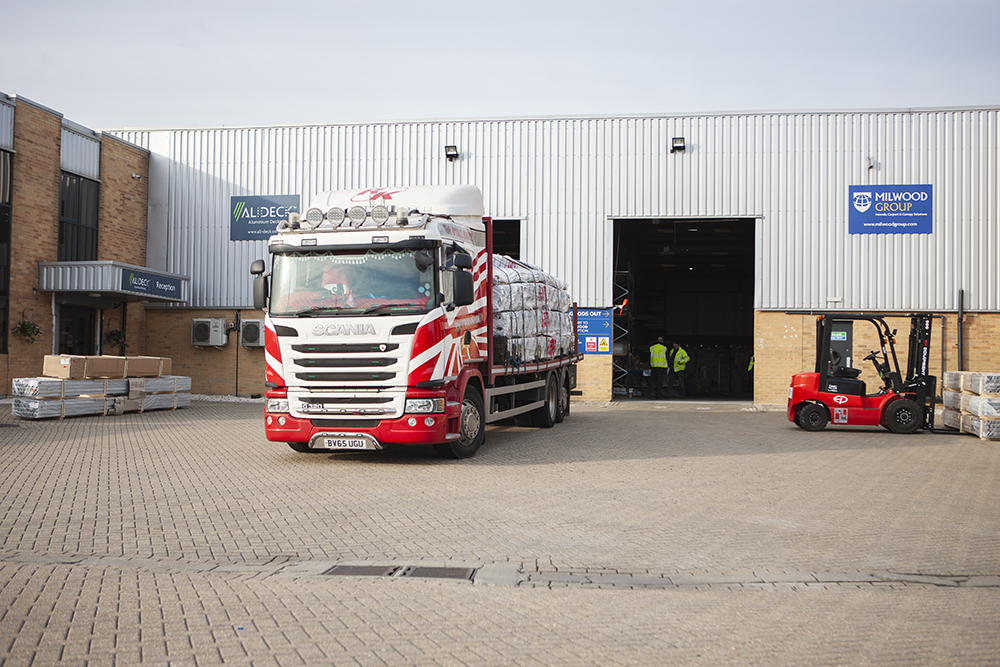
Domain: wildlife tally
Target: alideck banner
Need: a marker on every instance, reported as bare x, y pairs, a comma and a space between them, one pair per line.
890, 209
255, 218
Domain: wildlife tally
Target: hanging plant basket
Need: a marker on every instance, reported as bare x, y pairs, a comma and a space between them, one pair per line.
115, 338
27, 330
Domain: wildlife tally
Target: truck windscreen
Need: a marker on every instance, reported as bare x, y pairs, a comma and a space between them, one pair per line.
331, 283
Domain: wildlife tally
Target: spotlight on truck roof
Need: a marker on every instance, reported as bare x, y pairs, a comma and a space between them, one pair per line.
314, 217
358, 215
380, 215
335, 216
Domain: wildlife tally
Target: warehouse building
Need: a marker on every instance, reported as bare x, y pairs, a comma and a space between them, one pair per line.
722, 232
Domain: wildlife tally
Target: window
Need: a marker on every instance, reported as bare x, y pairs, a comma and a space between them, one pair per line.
5, 185
78, 202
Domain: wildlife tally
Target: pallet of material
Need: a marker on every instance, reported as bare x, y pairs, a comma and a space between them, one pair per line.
60, 408
81, 367
48, 387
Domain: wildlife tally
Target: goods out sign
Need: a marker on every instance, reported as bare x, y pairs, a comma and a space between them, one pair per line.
252, 218
890, 209
593, 331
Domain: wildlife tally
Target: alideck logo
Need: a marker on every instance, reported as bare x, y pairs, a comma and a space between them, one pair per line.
257, 217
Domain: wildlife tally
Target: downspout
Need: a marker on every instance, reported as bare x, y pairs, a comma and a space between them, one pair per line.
961, 315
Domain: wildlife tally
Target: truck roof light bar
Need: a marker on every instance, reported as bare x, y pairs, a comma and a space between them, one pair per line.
338, 218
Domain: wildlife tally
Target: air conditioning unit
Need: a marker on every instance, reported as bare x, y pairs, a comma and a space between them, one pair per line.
208, 331
252, 333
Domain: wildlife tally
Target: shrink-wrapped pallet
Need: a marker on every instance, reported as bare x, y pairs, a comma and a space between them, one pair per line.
987, 429
952, 399
60, 408
48, 387
981, 406
952, 418
953, 380
984, 384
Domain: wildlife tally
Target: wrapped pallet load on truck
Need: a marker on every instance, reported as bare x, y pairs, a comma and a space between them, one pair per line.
530, 312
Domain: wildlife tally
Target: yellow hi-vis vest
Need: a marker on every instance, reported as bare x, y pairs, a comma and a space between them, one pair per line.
681, 359
658, 356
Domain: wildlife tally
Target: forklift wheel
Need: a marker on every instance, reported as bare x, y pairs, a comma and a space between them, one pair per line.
903, 416
813, 417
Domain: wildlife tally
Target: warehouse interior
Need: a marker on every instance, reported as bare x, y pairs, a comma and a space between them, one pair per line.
692, 282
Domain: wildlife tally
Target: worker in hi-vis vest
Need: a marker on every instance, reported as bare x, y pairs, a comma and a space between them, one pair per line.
658, 366
677, 360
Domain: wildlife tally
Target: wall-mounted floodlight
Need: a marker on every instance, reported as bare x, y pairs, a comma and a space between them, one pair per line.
451, 152
677, 145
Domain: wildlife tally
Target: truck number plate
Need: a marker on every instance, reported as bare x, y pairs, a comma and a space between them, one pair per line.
343, 443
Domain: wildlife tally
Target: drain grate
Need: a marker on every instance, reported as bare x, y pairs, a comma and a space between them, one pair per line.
411, 571
363, 570
439, 572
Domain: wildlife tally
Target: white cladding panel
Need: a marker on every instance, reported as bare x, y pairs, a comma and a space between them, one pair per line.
6, 123
80, 154
568, 179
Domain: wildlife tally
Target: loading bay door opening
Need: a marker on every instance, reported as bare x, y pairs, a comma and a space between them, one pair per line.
691, 282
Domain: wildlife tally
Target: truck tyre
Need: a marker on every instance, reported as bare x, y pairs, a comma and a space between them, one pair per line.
471, 428
563, 411
547, 415
903, 416
302, 447
813, 417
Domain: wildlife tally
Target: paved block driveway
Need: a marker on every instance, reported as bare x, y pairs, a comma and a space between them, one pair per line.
634, 533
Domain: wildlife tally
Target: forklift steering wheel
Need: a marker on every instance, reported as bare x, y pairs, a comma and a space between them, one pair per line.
872, 356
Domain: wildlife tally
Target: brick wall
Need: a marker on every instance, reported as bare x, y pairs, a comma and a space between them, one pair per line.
122, 235
229, 370
786, 344
593, 377
34, 232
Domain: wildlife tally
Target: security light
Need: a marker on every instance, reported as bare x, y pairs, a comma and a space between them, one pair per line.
451, 152
677, 145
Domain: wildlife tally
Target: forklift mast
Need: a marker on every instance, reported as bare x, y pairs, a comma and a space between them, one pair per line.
919, 358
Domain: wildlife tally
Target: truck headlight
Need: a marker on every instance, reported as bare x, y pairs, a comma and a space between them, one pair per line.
276, 405
424, 405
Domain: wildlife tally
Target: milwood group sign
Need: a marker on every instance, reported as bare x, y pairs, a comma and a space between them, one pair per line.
890, 209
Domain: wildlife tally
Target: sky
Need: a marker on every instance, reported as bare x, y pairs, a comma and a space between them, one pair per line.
109, 64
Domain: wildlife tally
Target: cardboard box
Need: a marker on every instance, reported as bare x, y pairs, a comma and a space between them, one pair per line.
78, 367
146, 367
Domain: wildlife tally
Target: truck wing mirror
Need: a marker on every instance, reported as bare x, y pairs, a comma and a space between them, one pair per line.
257, 267
462, 261
260, 293
464, 291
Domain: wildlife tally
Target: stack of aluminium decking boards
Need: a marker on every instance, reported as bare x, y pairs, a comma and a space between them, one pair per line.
123, 384
972, 403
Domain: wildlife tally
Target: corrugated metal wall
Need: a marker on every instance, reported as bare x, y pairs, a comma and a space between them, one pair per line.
80, 151
6, 123
567, 179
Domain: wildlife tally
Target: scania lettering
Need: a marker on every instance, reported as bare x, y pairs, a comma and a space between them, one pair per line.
389, 320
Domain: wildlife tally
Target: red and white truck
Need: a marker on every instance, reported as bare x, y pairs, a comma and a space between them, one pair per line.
389, 320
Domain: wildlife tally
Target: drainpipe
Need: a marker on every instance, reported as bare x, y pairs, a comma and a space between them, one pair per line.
961, 315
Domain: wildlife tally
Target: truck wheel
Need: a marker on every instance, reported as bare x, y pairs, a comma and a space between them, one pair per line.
813, 417
546, 416
563, 411
471, 428
903, 416
302, 447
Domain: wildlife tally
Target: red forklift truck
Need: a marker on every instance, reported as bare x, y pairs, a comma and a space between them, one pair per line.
834, 393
